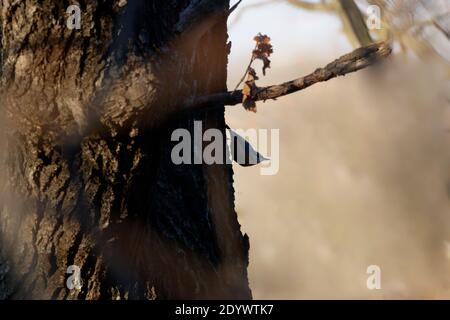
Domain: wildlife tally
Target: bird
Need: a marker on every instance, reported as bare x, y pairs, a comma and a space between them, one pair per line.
242, 151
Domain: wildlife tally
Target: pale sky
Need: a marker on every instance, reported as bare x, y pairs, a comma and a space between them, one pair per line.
364, 167
295, 33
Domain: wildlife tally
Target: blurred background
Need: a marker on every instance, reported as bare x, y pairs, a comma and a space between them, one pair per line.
364, 173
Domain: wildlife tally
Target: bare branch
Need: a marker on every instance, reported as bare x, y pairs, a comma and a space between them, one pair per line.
234, 7
358, 59
438, 26
354, 23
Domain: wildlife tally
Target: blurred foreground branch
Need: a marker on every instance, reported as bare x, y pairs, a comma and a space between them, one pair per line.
355, 26
358, 59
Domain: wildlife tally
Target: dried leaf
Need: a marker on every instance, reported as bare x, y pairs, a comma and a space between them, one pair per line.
263, 50
249, 90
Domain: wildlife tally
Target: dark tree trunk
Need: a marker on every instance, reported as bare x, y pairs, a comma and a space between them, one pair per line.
86, 173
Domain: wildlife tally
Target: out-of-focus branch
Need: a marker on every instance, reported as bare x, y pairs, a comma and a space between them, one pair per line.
355, 25
358, 59
434, 21
407, 30
438, 26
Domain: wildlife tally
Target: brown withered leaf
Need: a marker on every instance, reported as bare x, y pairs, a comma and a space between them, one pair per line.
263, 50
249, 91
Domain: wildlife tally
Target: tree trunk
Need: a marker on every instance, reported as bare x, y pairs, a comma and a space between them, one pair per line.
86, 171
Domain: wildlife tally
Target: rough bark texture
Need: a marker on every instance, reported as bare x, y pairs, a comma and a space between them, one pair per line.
86, 173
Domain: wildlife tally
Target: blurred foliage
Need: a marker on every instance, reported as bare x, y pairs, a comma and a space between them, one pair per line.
418, 27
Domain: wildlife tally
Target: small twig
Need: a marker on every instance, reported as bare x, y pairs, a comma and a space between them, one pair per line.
247, 7
358, 59
438, 26
246, 70
234, 7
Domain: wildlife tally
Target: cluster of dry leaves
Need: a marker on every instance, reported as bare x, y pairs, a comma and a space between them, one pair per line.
262, 51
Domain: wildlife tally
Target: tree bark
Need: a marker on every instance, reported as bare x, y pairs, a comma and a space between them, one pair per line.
86, 171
